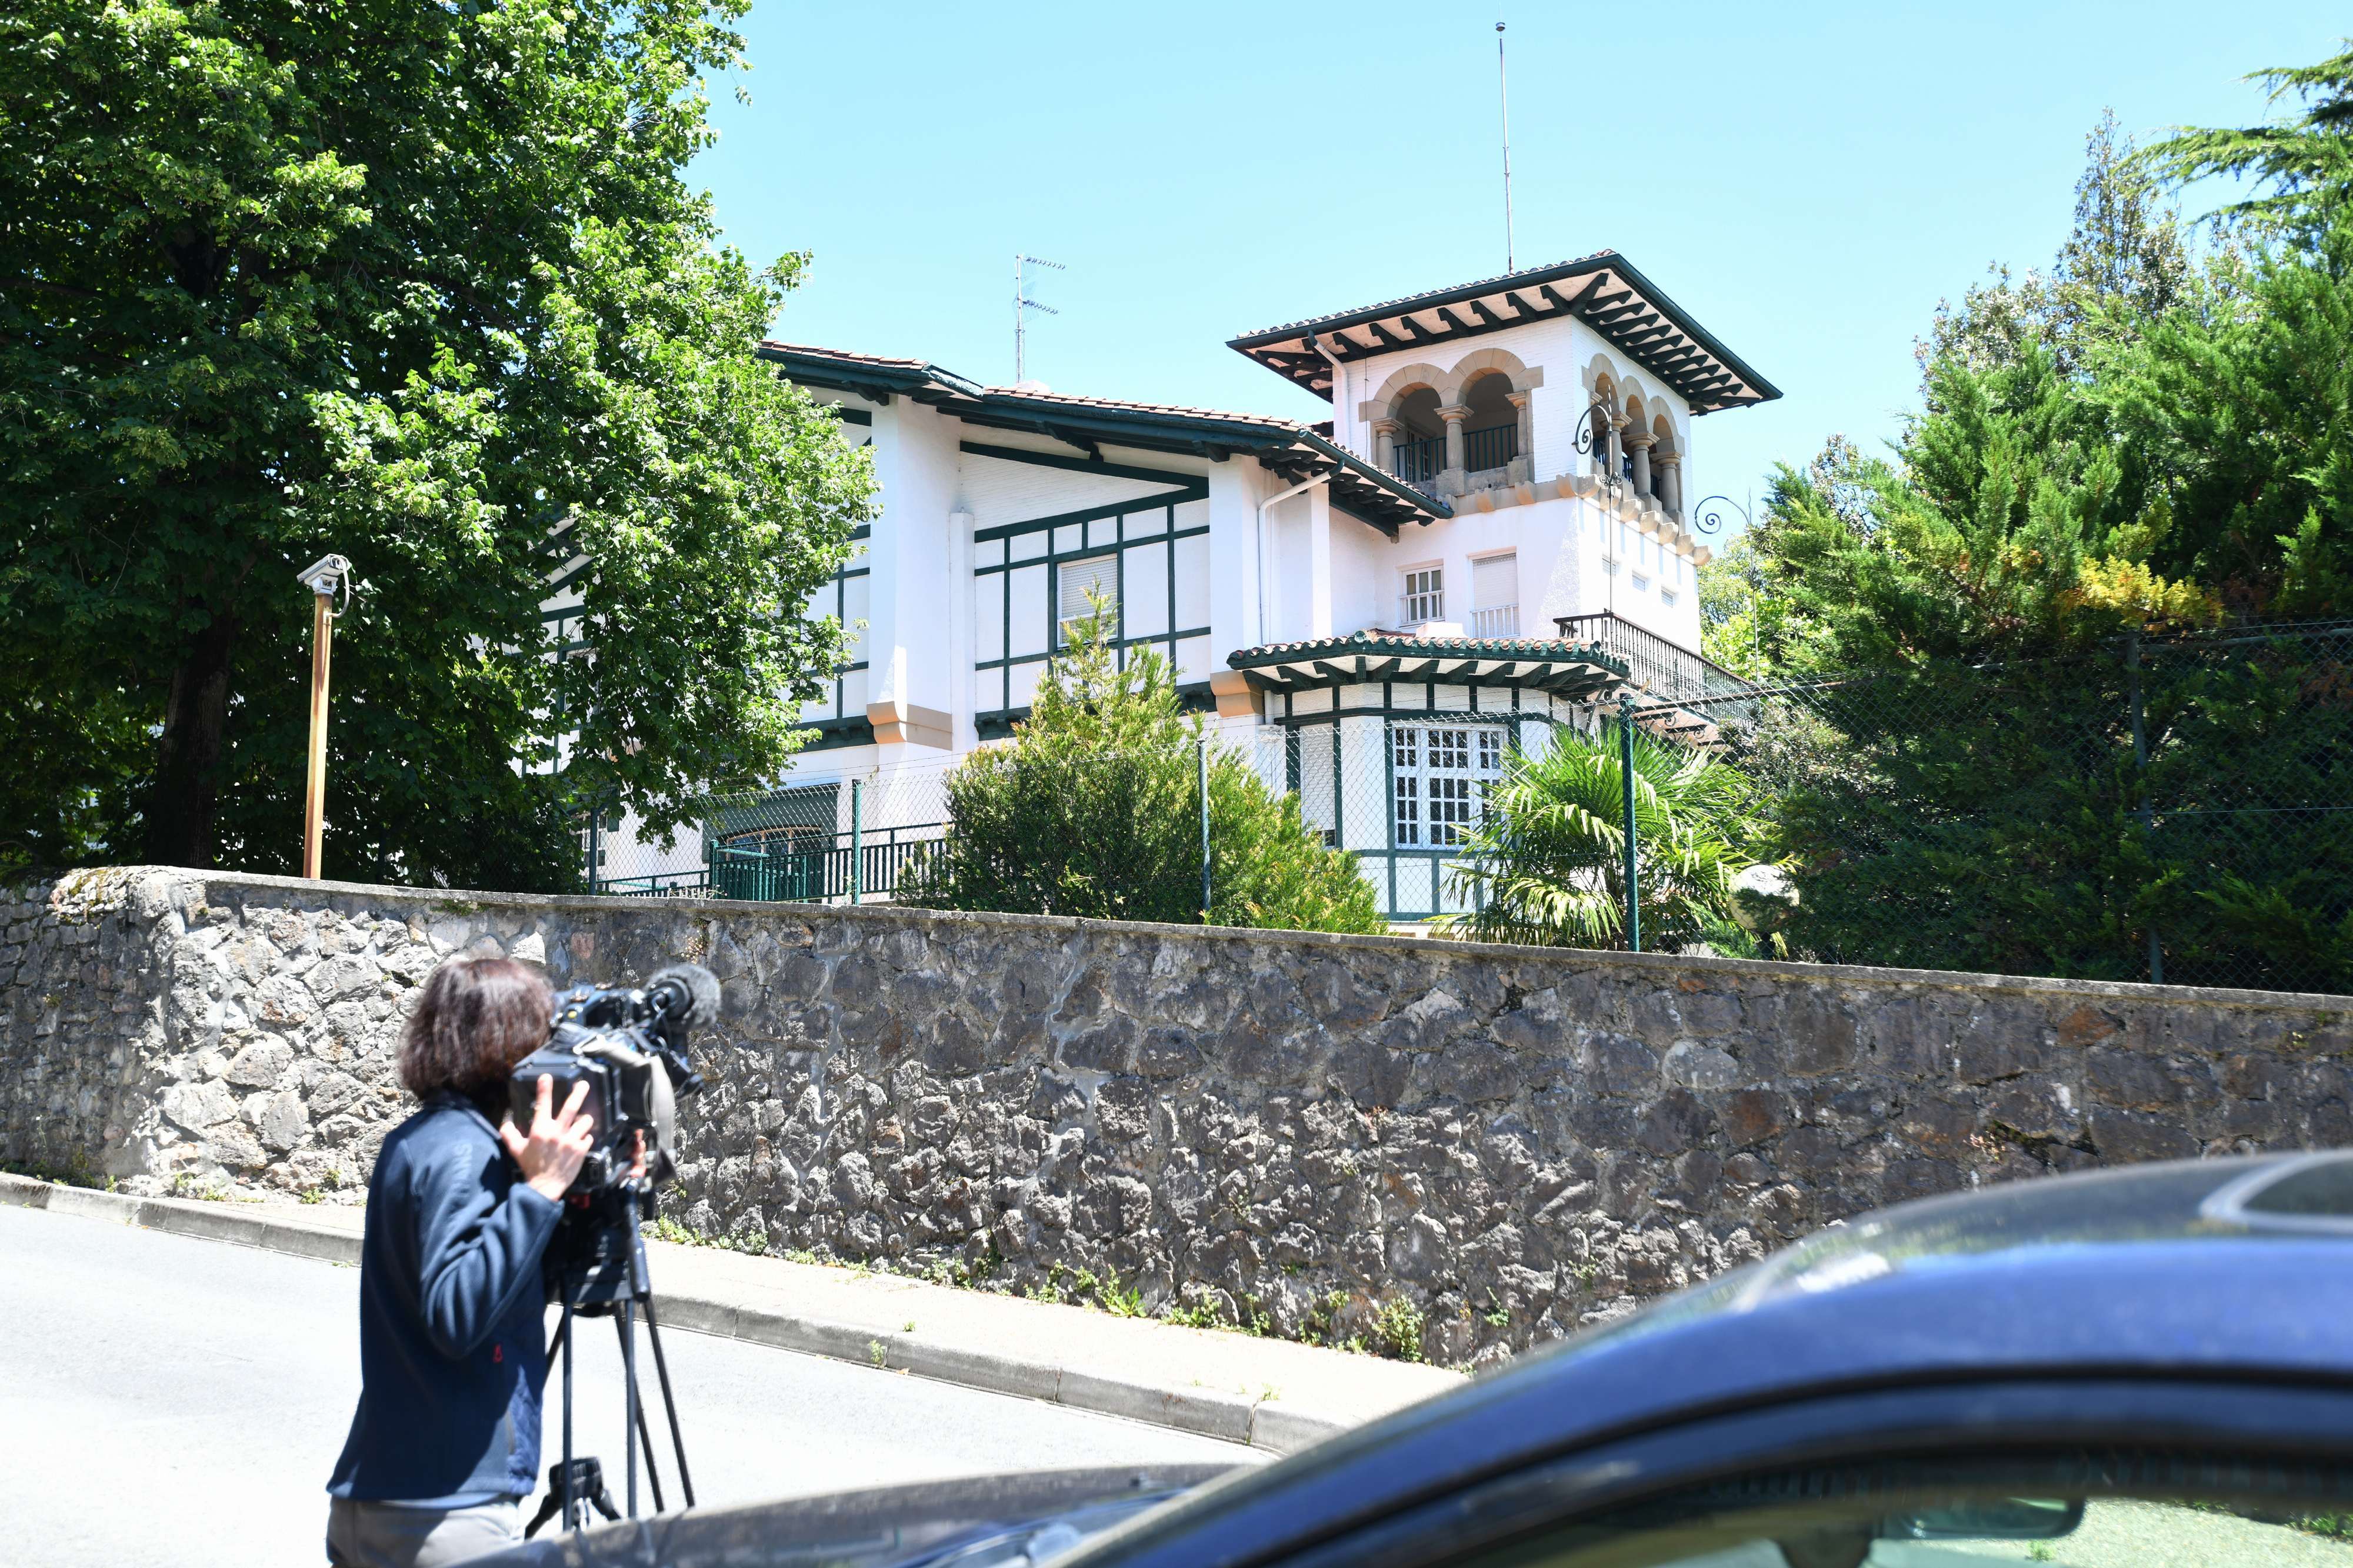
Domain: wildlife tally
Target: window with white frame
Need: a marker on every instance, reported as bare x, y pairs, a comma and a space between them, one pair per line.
1081, 585
1439, 776
1495, 596
1424, 598
1641, 583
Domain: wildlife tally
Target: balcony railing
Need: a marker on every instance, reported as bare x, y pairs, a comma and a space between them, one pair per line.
1500, 621
1668, 672
1493, 448
1421, 459
1418, 462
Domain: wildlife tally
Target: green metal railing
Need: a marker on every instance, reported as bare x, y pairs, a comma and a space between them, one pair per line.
862, 863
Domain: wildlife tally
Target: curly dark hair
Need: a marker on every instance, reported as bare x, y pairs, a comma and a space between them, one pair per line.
477, 1019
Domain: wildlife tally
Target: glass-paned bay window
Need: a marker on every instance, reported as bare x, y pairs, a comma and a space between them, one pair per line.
1439, 774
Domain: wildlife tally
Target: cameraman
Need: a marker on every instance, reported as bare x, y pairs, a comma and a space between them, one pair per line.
445, 1443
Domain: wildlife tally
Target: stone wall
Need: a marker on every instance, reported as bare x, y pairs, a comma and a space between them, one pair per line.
1378, 1137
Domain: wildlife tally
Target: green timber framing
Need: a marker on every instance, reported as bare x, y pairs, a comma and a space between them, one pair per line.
1495, 675
1291, 451
842, 727
997, 557
1604, 290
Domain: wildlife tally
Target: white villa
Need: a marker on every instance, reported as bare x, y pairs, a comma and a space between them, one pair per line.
1489, 536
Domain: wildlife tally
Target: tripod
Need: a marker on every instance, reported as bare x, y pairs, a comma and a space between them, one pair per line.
599, 1268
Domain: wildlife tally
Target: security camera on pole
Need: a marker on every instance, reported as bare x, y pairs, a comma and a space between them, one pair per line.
325, 577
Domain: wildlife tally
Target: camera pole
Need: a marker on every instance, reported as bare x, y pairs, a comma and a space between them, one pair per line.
324, 577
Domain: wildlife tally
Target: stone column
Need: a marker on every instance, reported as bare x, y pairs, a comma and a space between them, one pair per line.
1452, 481
1617, 469
1384, 435
1597, 421
1523, 464
1668, 467
1641, 441
1454, 413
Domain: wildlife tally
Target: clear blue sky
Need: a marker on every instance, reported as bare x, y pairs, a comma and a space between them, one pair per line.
1807, 180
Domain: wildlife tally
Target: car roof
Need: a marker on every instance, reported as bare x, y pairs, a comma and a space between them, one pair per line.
2152, 1266
2260, 1198
2196, 1269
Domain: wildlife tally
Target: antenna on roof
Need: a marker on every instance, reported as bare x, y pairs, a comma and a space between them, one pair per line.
1504, 85
1022, 304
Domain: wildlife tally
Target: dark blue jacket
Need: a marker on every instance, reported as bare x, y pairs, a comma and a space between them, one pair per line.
452, 1312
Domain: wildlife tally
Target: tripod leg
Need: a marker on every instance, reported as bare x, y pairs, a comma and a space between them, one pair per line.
571, 1519
670, 1401
653, 1471
644, 1438
624, 1324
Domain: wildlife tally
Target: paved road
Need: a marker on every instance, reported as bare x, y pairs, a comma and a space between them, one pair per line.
167, 1401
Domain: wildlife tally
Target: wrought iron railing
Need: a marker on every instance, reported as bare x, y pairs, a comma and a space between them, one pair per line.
1664, 670
1417, 462
1493, 448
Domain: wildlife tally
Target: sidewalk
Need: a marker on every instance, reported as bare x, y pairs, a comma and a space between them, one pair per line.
1271, 1394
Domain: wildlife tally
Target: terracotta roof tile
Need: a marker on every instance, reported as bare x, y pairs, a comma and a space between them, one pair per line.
1410, 642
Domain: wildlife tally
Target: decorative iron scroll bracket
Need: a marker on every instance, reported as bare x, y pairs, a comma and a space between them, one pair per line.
1708, 517
1588, 437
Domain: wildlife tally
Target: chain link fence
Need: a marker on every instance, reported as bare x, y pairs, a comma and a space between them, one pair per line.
2176, 809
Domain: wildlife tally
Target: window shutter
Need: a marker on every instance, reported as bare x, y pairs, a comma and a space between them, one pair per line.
1495, 582
1097, 575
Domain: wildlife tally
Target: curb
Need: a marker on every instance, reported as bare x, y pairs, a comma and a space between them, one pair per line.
1260, 1424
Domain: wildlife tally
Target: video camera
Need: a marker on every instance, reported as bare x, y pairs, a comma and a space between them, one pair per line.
629, 1047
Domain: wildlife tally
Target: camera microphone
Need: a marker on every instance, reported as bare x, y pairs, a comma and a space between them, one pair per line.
686, 996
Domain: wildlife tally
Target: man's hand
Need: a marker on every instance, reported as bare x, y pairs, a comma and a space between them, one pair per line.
551, 1155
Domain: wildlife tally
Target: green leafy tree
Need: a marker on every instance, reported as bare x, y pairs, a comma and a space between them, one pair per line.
1094, 809
1733, 603
2302, 167
1546, 865
2132, 450
422, 284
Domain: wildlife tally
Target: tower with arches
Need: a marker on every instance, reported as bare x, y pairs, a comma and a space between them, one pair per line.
1551, 410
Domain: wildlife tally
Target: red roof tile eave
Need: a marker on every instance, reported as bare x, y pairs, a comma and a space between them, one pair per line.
1439, 295
1290, 430
1057, 399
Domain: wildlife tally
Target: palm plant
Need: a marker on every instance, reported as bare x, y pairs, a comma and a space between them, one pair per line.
1547, 864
